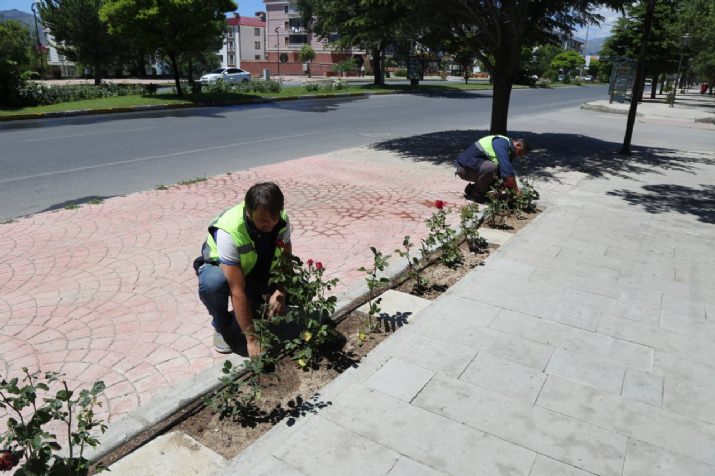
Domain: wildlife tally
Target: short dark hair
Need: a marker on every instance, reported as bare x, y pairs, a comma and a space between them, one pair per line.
265, 195
524, 144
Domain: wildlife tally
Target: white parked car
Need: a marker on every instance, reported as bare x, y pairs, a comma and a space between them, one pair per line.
230, 75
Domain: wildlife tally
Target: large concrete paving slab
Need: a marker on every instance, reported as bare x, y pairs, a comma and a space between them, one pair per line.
172, 454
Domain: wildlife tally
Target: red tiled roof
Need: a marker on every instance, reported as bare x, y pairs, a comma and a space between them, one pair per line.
246, 21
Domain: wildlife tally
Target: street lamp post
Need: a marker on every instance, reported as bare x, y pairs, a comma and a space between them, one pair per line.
278, 44
39, 44
684, 43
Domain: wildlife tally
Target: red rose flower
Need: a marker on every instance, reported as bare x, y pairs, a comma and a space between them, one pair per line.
439, 204
8, 460
310, 262
281, 244
319, 266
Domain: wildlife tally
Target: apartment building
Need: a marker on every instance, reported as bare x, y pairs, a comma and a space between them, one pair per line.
285, 36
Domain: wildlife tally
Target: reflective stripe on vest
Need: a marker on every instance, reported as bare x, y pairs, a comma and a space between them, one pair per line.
485, 144
232, 222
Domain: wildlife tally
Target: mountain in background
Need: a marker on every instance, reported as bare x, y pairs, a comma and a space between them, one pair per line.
594, 45
26, 18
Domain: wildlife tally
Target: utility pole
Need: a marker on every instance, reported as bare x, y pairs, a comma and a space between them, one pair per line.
278, 45
637, 84
39, 44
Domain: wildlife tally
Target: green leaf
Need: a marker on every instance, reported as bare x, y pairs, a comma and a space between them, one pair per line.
63, 395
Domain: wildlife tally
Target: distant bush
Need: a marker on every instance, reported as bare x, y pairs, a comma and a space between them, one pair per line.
260, 86
311, 86
35, 94
337, 84
401, 73
269, 86
346, 66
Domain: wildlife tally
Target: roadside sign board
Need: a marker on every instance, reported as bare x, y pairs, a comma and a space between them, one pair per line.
622, 77
414, 68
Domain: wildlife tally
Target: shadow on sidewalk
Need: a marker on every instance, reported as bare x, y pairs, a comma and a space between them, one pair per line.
678, 198
551, 153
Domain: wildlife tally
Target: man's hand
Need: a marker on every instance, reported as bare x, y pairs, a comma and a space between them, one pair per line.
254, 346
276, 304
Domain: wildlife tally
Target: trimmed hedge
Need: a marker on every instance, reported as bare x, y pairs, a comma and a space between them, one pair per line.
35, 94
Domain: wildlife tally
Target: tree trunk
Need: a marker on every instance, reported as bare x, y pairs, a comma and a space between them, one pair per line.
191, 71
503, 75
377, 65
662, 84
97, 73
466, 74
175, 67
654, 86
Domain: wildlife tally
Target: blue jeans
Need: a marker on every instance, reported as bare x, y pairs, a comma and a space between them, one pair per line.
215, 294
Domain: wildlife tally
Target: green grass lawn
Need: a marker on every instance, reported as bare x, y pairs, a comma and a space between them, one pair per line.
117, 101
232, 98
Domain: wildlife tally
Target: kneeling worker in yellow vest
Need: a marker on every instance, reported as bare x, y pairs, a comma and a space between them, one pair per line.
243, 244
486, 160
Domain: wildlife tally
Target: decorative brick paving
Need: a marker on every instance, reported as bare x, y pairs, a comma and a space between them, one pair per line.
107, 292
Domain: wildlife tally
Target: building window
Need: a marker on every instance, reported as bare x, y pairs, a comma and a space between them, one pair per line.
257, 44
285, 9
285, 26
256, 32
298, 39
295, 24
257, 57
231, 60
230, 33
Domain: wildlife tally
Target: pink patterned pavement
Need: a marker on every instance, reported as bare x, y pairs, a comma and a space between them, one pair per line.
107, 292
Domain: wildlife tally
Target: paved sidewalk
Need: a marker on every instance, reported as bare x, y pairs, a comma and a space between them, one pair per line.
583, 346
107, 292
691, 107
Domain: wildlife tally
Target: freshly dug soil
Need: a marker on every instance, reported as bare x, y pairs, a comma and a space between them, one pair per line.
440, 277
286, 394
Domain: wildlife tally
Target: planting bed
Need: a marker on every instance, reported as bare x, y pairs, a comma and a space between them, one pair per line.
290, 392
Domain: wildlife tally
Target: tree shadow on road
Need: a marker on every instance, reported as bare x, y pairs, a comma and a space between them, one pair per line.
77, 202
663, 198
551, 153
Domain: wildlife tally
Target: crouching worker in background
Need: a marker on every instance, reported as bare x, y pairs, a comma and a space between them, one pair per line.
487, 160
243, 244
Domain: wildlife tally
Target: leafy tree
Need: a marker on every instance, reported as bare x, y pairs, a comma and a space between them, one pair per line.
697, 17
599, 69
369, 24
663, 44
306, 55
498, 30
567, 61
86, 38
175, 28
15, 46
465, 58
539, 59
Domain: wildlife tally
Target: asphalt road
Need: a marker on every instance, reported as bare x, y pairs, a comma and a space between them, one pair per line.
48, 164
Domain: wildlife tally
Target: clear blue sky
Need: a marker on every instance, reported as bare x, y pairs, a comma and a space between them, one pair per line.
245, 7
